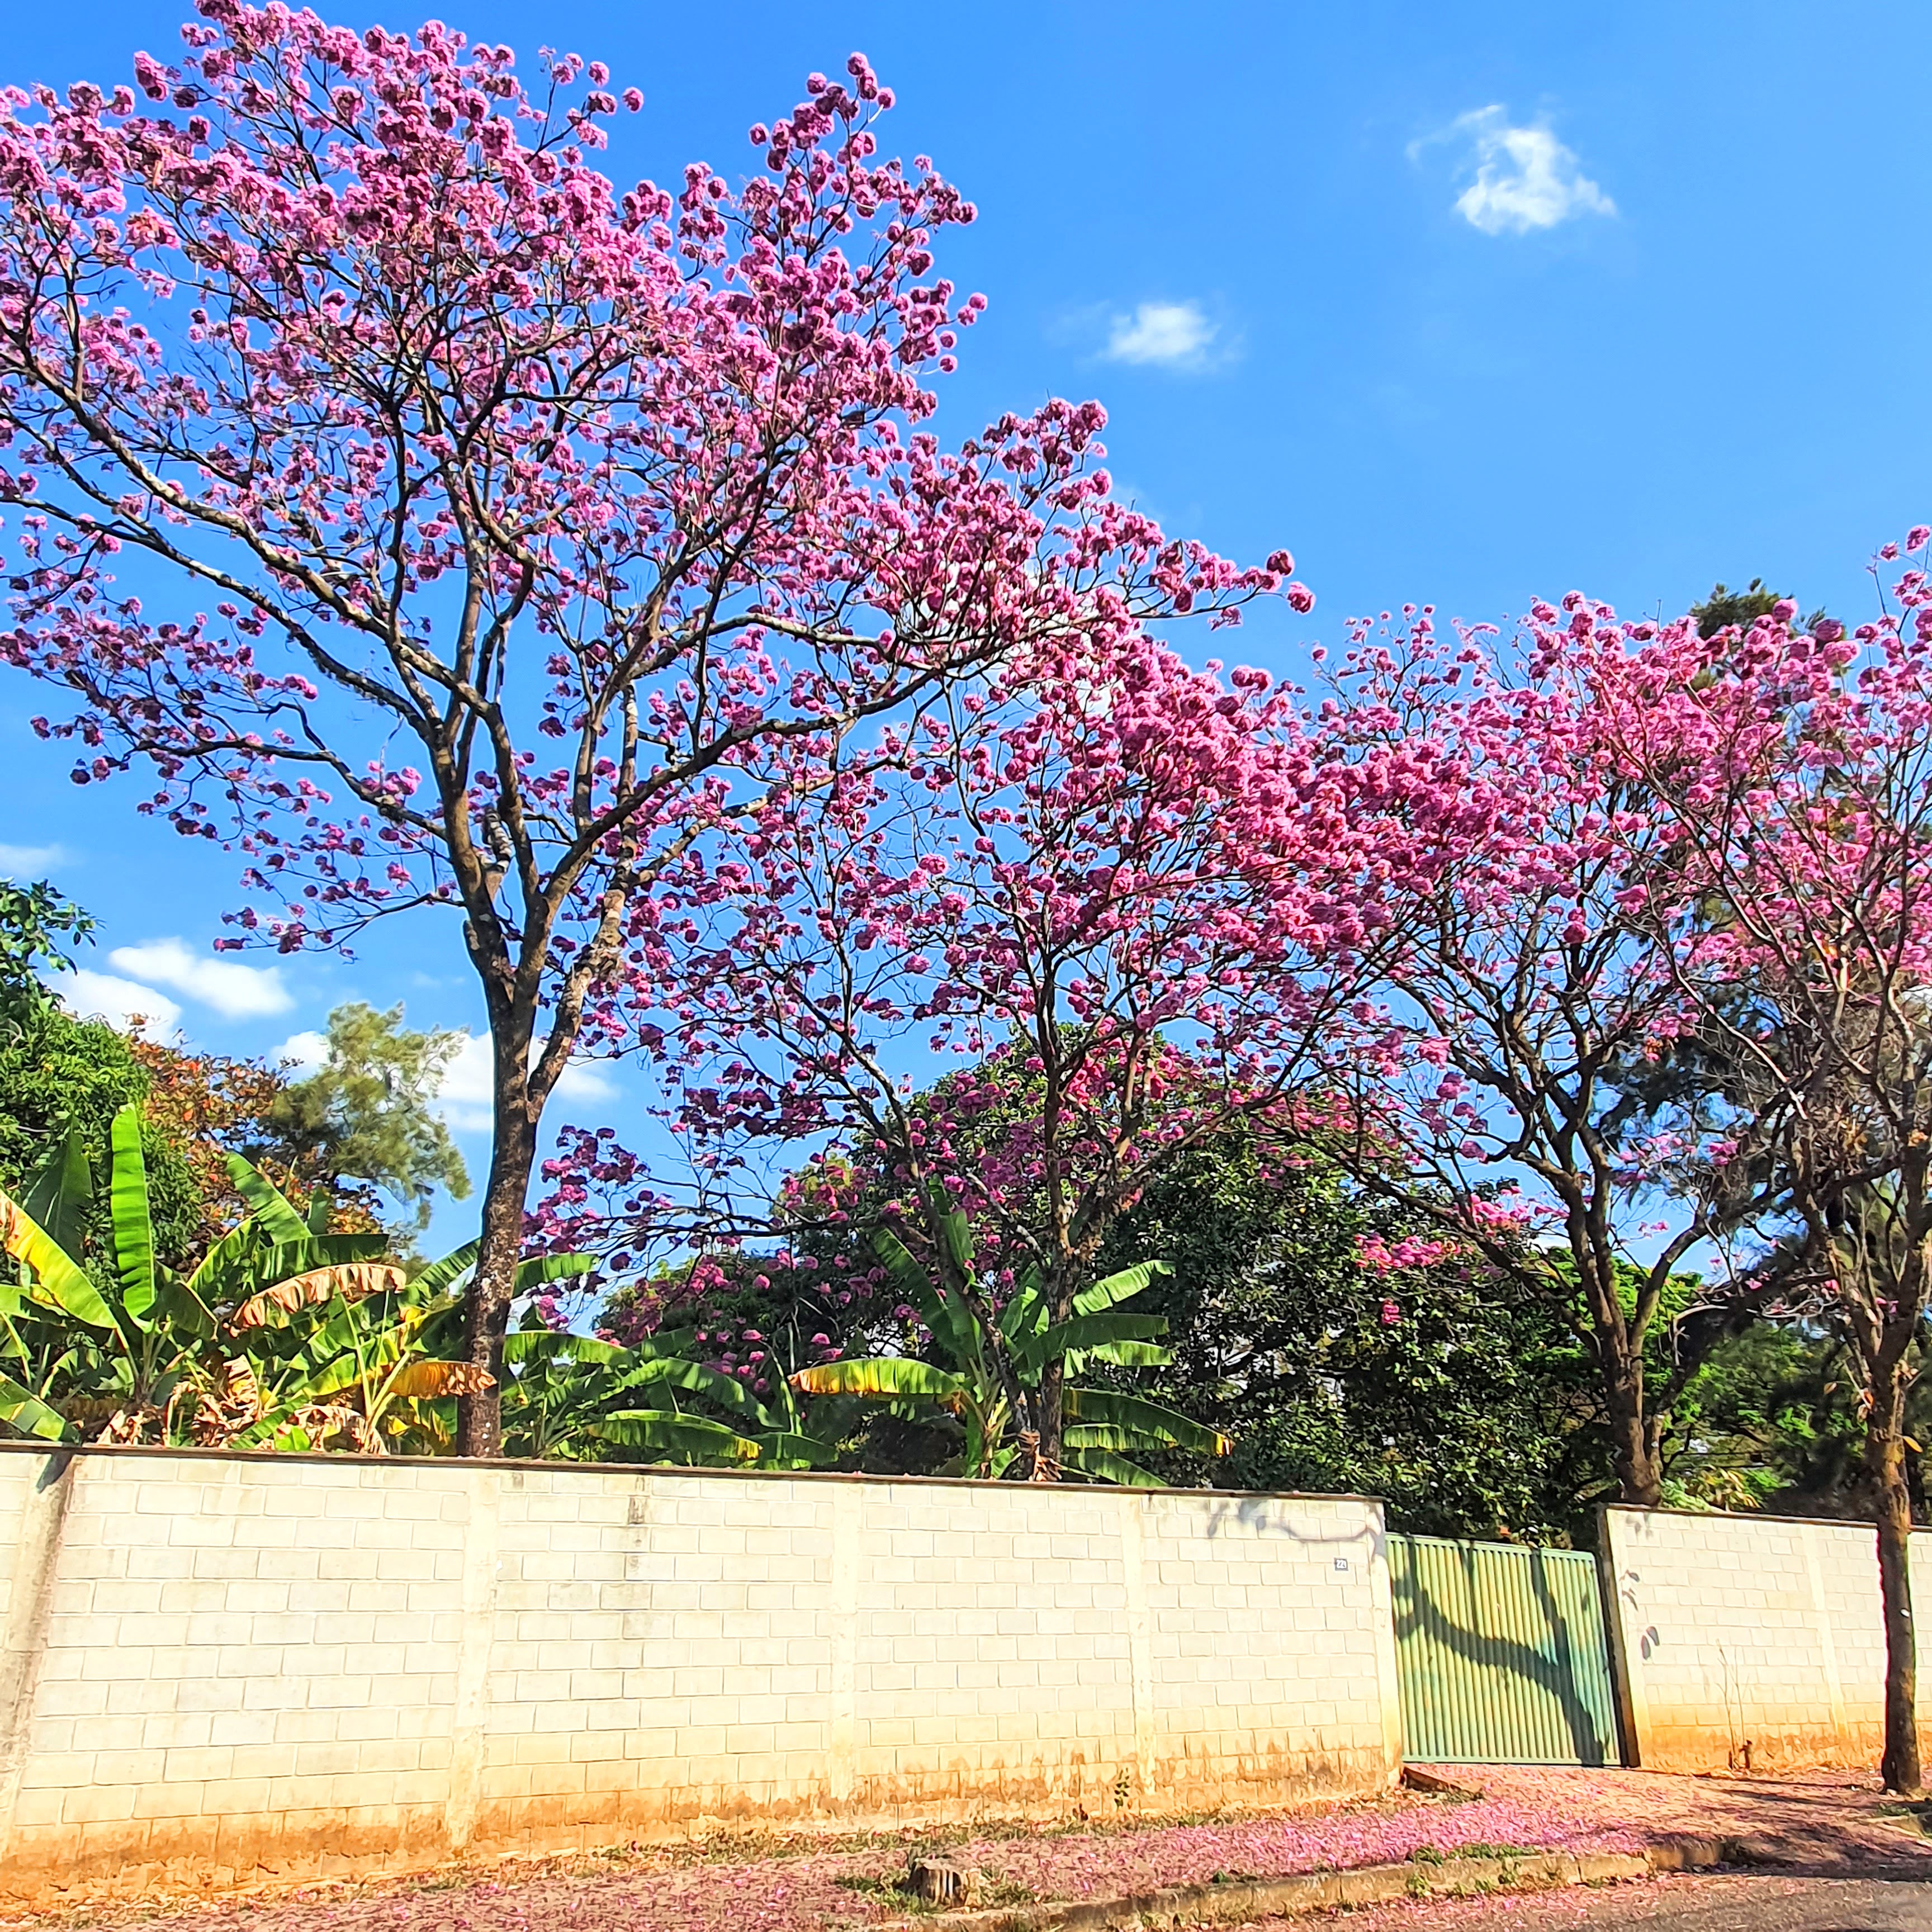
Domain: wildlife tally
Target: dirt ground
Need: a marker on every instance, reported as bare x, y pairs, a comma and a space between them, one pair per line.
1828, 1824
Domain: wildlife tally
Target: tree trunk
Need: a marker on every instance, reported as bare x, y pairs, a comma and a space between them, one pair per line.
1633, 1437
1051, 1410
1892, 1510
493, 1286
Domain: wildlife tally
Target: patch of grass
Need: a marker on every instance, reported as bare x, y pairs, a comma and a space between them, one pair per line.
892, 1890
1006, 1891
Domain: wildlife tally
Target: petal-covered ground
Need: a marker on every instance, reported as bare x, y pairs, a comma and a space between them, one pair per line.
798, 1884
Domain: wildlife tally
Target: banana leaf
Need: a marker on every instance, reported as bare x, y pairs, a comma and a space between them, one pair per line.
133, 1226
699, 1378
420, 1381
245, 1261
1157, 1426
951, 1322
442, 1274
786, 1449
542, 1269
956, 1232
353, 1281
59, 1191
1123, 1355
1026, 1314
270, 1208
1101, 1435
534, 1345
692, 1436
30, 1415
1122, 1286
57, 1278
1111, 1469
1089, 1333
882, 1376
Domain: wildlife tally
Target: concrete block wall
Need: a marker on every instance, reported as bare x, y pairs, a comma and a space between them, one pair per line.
220, 1666
1750, 1641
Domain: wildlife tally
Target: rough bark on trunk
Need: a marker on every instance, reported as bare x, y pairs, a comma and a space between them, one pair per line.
1891, 1510
1633, 1436
493, 1286
1052, 1424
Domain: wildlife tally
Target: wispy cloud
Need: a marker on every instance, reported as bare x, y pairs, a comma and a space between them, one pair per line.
32, 862
463, 1098
1167, 335
120, 1002
1525, 178
234, 991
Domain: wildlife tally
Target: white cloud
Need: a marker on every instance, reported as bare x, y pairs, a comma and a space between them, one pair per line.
583, 1082
303, 1054
1173, 335
234, 991
91, 995
463, 1098
1525, 178
32, 862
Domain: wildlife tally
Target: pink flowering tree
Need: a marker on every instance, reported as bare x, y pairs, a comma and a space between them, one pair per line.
1797, 767
1131, 903
445, 531
1532, 1120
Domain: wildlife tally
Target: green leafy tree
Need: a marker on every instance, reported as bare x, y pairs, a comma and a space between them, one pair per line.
37, 925
367, 1114
1769, 1421
62, 1074
1469, 1407
1726, 609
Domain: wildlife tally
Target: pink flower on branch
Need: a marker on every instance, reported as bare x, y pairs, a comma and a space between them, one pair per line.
516, 536
1133, 904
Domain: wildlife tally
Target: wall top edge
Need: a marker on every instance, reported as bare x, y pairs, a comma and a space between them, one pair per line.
337, 1458
1497, 1543
1748, 1516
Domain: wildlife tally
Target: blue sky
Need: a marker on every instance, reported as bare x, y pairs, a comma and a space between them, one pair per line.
1464, 304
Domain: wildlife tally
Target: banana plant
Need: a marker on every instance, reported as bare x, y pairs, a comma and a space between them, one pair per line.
140, 1346
1105, 1429
354, 1356
580, 1396
362, 1381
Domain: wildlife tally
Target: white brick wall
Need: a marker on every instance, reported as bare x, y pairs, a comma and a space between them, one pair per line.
1764, 1632
212, 1663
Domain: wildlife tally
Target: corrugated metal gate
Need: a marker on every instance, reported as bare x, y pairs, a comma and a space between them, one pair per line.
1502, 1654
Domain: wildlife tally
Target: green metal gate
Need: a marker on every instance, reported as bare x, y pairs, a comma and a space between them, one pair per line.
1502, 1654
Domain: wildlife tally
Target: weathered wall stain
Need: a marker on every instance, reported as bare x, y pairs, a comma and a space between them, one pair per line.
226, 1668
1750, 1642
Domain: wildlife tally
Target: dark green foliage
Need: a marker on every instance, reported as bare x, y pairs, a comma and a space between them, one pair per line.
1470, 1408
37, 926
1725, 609
58, 1072
1770, 1421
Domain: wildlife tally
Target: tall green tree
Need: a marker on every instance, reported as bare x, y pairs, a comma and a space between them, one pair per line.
367, 1114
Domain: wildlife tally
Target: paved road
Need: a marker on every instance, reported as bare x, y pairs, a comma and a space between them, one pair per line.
1771, 1905
1716, 1903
